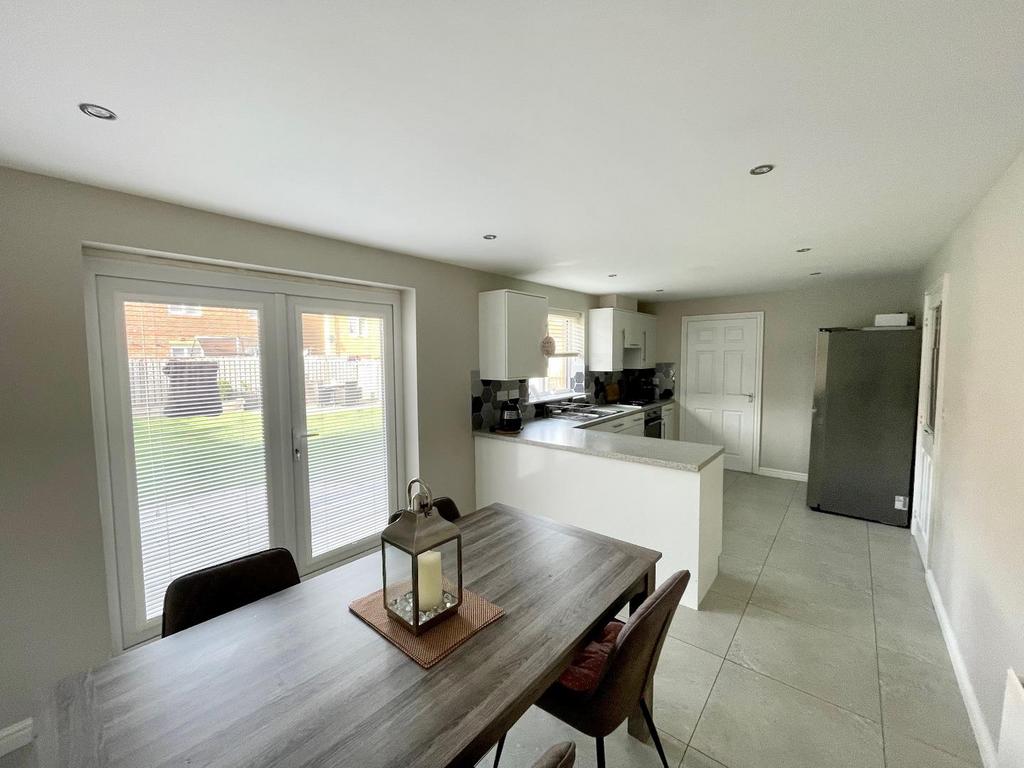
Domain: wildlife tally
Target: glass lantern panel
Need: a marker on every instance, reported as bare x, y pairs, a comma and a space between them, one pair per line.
398, 584
450, 569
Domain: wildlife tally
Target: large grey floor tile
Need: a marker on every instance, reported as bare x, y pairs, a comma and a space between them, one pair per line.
623, 749
765, 487
904, 752
746, 543
894, 549
695, 759
834, 667
821, 561
909, 587
752, 721
736, 578
681, 686
536, 731
756, 516
712, 627
923, 700
909, 628
729, 477
799, 495
812, 600
802, 524
752, 497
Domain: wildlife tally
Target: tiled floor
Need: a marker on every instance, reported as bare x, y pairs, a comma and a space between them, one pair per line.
817, 648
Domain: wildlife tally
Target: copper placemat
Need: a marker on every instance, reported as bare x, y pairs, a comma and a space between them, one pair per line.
427, 649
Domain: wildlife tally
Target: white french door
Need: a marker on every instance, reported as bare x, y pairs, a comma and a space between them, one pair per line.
238, 419
343, 439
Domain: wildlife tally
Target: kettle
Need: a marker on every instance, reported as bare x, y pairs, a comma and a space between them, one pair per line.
510, 418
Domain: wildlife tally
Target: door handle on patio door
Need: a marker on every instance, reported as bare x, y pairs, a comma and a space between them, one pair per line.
297, 443
749, 396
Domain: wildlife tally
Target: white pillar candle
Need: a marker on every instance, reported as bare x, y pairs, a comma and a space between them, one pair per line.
430, 580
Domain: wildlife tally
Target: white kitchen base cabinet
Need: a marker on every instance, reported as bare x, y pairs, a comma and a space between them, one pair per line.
674, 511
670, 422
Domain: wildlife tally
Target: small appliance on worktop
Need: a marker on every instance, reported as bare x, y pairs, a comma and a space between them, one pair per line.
510, 418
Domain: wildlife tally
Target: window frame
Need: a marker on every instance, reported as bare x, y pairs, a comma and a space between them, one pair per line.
546, 395
123, 568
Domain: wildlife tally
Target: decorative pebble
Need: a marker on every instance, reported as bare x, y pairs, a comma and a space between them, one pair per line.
403, 607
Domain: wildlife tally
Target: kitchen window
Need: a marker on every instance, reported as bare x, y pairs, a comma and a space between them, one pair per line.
566, 366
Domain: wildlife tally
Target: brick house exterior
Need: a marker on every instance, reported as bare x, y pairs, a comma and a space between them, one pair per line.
160, 331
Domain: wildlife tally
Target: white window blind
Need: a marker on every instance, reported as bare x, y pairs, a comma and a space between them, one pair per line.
568, 330
255, 419
197, 447
345, 416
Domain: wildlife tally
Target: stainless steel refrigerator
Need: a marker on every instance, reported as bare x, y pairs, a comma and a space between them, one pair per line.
864, 423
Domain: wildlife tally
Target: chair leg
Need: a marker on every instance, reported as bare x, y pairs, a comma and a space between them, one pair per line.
600, 752
654, 731
497, 754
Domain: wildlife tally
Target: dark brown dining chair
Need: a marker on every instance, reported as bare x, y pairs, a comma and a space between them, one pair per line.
605, 682
559, 756
207, 593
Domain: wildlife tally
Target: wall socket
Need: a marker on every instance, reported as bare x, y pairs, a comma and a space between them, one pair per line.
901, 503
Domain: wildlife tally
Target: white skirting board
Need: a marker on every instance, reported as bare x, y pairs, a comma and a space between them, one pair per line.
782, 474
16, 736
986, 744
1011, 733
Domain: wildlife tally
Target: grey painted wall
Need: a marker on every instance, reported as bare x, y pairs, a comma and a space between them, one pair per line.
791, 321
52, 585
978, 536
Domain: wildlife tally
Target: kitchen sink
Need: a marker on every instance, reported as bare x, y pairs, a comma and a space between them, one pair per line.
588, 411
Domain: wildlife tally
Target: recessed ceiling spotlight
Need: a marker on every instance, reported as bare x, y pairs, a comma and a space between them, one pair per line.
490, 237
814, 274
802, 250
95, 110
761, 170
613, 274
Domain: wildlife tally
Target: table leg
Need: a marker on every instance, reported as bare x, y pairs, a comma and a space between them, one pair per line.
637, 728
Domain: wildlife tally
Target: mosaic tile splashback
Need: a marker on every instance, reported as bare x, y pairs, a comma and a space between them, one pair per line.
487, 395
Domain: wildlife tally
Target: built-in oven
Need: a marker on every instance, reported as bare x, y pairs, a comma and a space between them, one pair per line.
653, 425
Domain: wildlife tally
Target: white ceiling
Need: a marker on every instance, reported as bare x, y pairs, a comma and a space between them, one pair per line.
591, 136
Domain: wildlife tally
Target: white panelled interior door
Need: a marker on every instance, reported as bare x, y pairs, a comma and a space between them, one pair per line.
929, 420
721, 386
343, 443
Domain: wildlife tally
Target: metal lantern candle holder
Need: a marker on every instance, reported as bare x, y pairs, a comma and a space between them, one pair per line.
421, 555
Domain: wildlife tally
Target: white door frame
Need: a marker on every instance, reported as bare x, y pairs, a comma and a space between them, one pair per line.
113, 262
305, 560
936, 295
759, 356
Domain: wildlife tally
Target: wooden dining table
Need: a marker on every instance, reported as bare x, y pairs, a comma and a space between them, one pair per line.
295, 679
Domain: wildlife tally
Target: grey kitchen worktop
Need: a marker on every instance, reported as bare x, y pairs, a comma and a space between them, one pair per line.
565, 435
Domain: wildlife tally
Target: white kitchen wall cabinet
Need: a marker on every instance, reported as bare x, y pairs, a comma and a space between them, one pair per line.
619, 338
645, 334
512, 325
